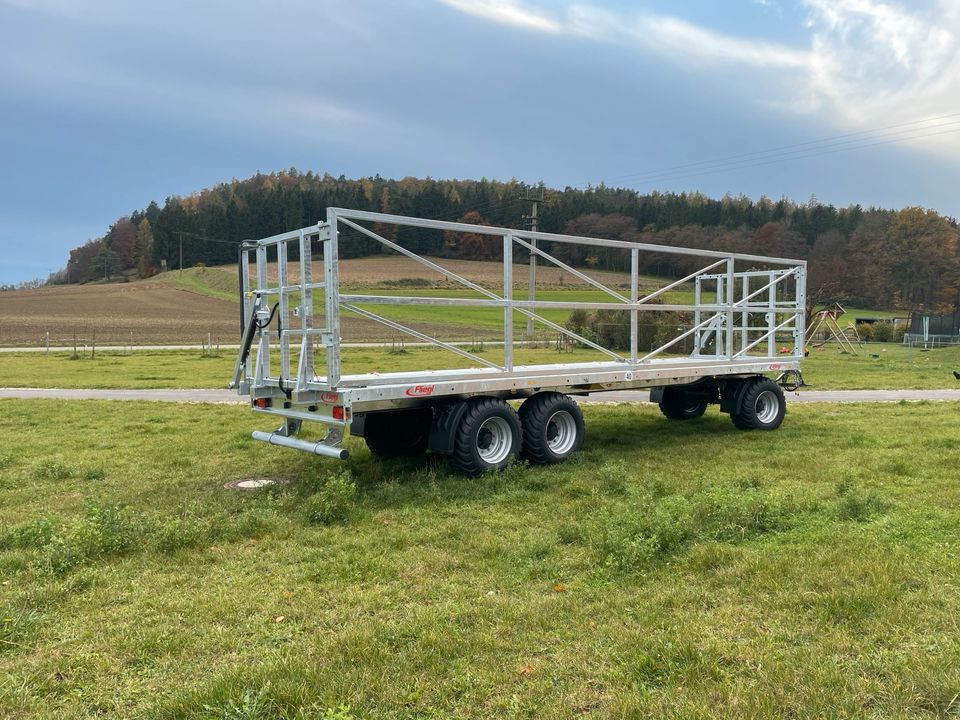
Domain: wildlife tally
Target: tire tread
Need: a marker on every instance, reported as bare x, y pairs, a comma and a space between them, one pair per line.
462, 459
534, 414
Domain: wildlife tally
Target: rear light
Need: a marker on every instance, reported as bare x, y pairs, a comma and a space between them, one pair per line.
261, 402
338, 413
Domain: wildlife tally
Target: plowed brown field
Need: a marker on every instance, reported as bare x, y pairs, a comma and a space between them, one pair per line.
152, 311
155, 312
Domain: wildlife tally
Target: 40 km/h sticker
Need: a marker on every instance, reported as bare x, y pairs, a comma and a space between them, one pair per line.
420, 390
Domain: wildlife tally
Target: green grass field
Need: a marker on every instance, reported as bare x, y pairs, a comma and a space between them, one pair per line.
886, 366
679, 570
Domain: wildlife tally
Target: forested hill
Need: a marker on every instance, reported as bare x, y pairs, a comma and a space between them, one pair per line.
882, 258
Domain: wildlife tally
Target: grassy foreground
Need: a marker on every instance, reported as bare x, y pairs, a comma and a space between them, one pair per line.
677, 570
887, 366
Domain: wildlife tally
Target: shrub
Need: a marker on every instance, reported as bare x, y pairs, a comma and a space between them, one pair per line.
334, 501
882, 331
611, 328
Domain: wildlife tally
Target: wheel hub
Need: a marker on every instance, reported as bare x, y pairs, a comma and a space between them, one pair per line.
767, 407
494, 440
561, 432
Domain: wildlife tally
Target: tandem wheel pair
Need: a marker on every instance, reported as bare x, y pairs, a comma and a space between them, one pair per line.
485, 433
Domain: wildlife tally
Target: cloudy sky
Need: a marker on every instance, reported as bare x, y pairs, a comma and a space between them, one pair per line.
108, 104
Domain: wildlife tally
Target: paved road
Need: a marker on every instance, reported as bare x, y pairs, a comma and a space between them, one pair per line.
628, 396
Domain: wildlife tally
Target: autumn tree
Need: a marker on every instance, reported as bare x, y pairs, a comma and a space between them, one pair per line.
472, 246
121, 239
920, 259
143, 249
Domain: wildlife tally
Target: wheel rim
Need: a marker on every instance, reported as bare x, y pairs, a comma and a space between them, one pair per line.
494, 440
561, 432
691, 404
768, 405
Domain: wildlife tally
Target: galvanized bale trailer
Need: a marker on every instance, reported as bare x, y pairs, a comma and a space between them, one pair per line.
744, 307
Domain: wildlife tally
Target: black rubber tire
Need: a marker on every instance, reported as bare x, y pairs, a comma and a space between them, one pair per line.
398, 433
540, 429
756, 395
678, 404
466, 457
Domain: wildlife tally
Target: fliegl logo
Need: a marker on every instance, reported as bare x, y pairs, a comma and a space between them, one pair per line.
420, 390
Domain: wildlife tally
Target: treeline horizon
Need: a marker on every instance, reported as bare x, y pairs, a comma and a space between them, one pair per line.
893, 259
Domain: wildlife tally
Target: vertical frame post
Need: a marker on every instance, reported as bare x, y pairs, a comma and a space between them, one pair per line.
800, 321
508, 302
284, 309
771, 316
697, 290
331, 271
719, 341
246, 301
745, 315
729, 304
634, 295
305, 371
263, 348
532, 281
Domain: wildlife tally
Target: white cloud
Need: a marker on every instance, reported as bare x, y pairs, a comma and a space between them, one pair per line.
676, 37
507, 12
665, 34
868, 64
879, 60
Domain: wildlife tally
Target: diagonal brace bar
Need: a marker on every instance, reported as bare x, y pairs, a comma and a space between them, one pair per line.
682, 280
756, 292
423, 261
760, 339
678, 338
570, 333
572, 271
426, 338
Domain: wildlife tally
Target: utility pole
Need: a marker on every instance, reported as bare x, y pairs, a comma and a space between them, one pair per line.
181, 251
532, 223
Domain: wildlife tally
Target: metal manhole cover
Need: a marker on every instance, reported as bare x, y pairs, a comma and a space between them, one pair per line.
249, 483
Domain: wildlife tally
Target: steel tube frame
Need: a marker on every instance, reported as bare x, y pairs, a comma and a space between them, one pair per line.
360, 215
718, 316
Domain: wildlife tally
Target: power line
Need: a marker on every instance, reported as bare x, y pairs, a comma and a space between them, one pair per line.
476, 208
810, 145
775, 160
209, 239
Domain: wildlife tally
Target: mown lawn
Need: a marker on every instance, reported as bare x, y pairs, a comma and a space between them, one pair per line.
670, 570
886, 366
880, 366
